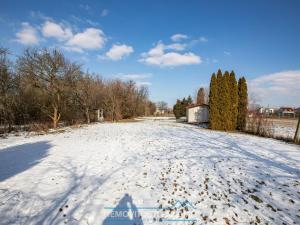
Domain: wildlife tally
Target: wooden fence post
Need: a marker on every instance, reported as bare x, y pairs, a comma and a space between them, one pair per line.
297, 133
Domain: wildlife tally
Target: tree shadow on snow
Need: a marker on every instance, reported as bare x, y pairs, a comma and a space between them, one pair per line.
16, 159
125, 213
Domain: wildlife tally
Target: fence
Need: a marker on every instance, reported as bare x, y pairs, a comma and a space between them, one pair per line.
297, 133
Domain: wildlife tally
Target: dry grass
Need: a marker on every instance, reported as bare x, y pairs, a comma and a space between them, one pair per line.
266, 127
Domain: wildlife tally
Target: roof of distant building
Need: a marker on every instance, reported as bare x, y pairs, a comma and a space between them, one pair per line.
196, 105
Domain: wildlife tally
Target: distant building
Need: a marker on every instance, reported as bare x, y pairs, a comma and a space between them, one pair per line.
286, 112
159, 112
266, 111
197, 113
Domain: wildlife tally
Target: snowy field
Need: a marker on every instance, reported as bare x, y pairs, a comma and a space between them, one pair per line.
148, 172
280, 128
285, 127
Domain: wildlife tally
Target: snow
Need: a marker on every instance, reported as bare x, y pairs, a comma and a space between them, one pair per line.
285, 128
284, 131
153, 170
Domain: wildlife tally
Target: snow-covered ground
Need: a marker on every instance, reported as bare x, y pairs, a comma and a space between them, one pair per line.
284, 128
148, 172
279, 127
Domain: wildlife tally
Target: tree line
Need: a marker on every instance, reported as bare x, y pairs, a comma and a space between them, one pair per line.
179, 109
228, 101
43, 86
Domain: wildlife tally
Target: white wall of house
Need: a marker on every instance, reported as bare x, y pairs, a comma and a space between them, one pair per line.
197, 114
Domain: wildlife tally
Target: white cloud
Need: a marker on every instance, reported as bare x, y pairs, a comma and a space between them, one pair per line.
138, 78
27, 35
227, 53
92, 23
143, 83
89, 39
159, 57
134, 76
203, 39
211, 60
173, 59
197, 41
104, 12
51, 29
117, 52
73, 49
178, 37
161, 47
85, 7
37, 15
156, 51
280, 88
176, 46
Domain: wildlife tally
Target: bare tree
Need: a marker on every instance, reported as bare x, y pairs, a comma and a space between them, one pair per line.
46, 85
201, 96
47, 69
162, 106
112, 100
150, 108
141, 100
85, 94
7, 86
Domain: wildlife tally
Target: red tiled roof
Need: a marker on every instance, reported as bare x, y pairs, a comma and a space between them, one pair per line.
287, 109
196, 105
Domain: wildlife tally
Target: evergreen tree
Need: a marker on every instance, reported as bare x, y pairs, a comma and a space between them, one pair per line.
189, 100
184, 101
242, 104
228, 102
219, 124
201, 96
213, 102
225, 114
233, 100
177, 109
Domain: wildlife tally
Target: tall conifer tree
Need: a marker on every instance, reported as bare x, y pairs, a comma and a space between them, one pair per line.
219, 124
213, 102
242, 104
233, 101
189, 100
225, 102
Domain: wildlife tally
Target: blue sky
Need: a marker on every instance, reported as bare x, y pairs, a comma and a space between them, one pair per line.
171, 46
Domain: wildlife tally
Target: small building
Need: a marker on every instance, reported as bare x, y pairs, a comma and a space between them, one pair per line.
159, 112
269, 111
266, 111
286, 112
261, 110
197, 113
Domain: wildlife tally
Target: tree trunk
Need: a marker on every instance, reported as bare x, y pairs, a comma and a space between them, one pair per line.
113, 113
98, 115
56, 117
87, 114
